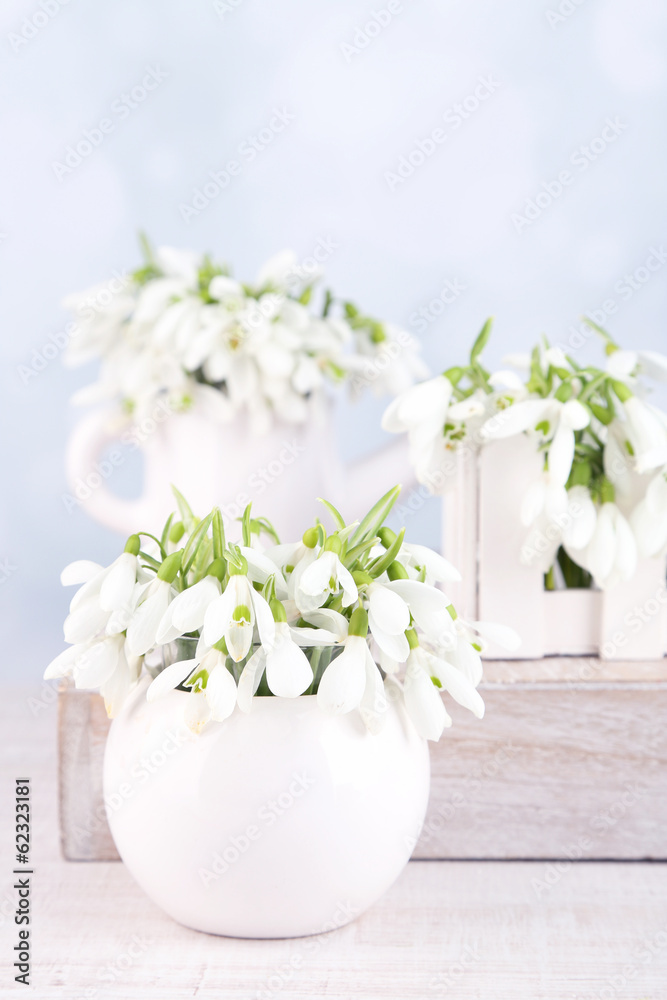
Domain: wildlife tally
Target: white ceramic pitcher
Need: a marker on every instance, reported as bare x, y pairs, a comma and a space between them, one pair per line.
281, 472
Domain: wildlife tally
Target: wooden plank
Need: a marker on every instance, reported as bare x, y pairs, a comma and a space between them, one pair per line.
563, 739
510, 591
554, 767
460, 529
82, 730
470, 930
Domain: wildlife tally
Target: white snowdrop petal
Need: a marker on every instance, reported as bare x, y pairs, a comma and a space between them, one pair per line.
78, 572
170, 678
460, 687
388, 610
288, 672
221, 693
197, 711
342, 685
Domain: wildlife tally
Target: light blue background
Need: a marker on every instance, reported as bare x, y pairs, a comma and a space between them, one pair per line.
557, 84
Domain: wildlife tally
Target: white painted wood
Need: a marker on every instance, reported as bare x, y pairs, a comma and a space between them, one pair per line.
460, 530
509, 591
634, 615
484, 536
571, 621
562, 739
468, 930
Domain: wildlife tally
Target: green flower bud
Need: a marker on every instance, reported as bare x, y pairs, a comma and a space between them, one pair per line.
333, 544
387, 537
176, 532
359, 623
397, 571
278, 610
607, 491
132, 545
218, 568
412, 637
621, 390
310, 538
168, 571
361, 577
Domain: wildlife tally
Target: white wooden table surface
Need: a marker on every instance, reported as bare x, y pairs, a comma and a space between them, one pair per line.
466, 929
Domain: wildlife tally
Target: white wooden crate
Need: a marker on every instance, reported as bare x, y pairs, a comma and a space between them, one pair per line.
572, 755
483, 537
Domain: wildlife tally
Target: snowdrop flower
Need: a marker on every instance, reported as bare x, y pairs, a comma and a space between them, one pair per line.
423, 560
346, 679
325, 575
422, 698
120, 578
611, 555
234, 614
559, 420
142, 630
104, 664
647, 434
187, 611
421, 411
649, 518
288, 671
213, 689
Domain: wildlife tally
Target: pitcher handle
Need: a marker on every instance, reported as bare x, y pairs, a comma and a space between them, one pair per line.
85, 474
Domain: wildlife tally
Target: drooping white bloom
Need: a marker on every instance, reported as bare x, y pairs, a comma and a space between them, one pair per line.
187, 611
422, 698
142, 630
343, 683
104, 664
234, 614
647, 434
611, 554
324, 575
421, 411
288, 672
649, 518
561, 419
388, 618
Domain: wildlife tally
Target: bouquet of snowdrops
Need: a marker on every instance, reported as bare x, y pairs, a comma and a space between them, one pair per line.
602, 495
352, 615
182, 330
